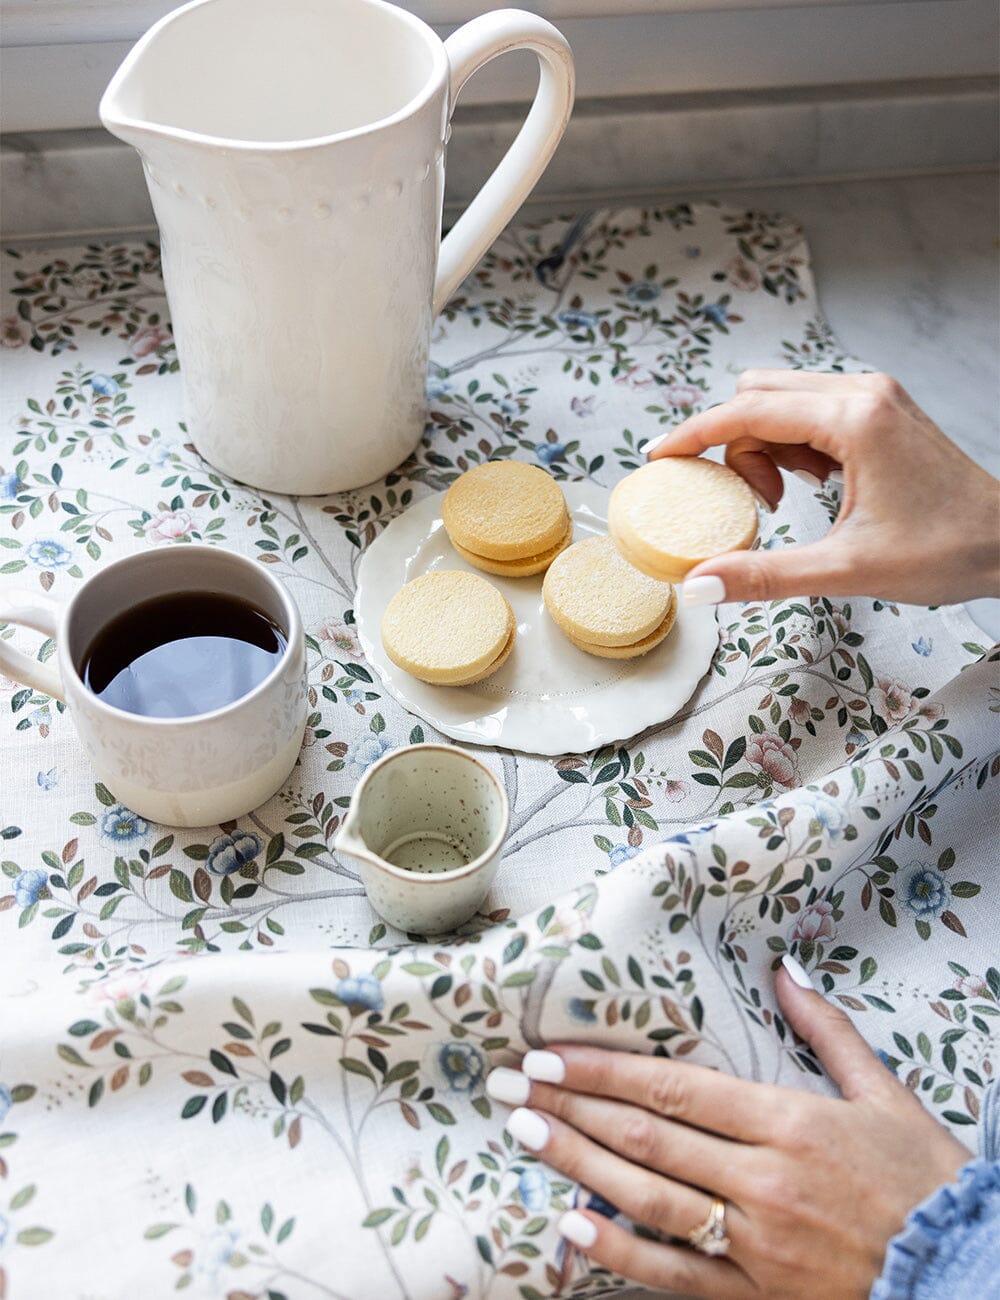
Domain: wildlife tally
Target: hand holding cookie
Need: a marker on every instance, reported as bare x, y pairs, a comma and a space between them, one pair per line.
919, 520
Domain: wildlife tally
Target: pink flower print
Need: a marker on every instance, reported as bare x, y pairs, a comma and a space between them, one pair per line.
337, 638
800, 711
148, 340
775, 758
682, 395
11, 333
675, 791
569, 924
973, 986
636, 377
930, 710
117, 988
813, 924
170, 526
742, 274
892, 699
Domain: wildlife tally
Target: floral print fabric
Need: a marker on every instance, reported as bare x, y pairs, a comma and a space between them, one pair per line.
209, 1042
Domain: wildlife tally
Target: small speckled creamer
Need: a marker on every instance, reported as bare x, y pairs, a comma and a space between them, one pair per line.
426, 825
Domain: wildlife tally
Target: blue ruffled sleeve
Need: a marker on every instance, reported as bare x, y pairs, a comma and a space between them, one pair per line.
949, 1248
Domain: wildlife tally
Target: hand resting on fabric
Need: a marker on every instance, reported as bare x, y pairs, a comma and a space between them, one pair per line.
814, 1187
919, 521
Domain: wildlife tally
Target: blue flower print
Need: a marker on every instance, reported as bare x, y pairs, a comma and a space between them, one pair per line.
576, 320
363, 751
831, 816
923, 645
47, 553
643, 291
6, 1101
716, 313
582, 406
925, 891
48, 780
104, 386
619, 853
436, 388
534, 1190
161, 452
582, 1011
547, 452
227, 853
10, 485
361, 991
691, 252
122, 824
855, 737
29, 885
462, 1066
886, 1060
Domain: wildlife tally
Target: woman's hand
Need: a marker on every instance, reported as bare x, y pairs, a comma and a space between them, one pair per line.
919, 522
814, 1187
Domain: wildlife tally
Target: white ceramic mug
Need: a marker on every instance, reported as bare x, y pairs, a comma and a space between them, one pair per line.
294, 152
426, 826
180, 771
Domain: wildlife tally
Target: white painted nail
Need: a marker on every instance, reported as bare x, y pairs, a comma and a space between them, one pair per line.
810, 480
578, 1229
508, 1086
707, 590
529, 1129
546, 1067
797, 971
654, 443
836, 476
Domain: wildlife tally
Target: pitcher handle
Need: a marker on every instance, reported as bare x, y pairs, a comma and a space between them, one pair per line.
38, 612
515, 176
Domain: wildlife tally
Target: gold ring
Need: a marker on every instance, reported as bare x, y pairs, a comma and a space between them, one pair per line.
710, 1237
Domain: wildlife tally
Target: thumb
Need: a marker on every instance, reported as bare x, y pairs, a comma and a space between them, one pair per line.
847, 1058
771, 575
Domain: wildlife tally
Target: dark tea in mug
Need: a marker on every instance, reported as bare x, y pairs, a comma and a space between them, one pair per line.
182, 654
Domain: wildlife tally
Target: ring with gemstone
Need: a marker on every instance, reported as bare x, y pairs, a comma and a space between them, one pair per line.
710, 1237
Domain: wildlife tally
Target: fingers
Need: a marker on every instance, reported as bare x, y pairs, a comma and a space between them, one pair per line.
764, 416
798, 381
677, 1150
757, 469
692, 1094
677, 1269
847, 1058
823, 566
645, 1197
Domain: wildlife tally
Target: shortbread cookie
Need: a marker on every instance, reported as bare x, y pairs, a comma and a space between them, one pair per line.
603, 604
507, 511
449, 628
673, 513
642, 647
515, 568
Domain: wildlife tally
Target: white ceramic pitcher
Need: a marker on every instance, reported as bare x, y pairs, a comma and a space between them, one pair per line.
294, 152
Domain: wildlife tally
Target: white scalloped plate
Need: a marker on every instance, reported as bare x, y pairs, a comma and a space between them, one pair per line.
549, 698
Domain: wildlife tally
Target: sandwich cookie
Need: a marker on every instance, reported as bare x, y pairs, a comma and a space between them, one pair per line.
449, 628
673, 513
604, 605
507, 518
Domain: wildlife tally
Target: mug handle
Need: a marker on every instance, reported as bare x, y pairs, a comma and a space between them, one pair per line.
515, 176
38, 612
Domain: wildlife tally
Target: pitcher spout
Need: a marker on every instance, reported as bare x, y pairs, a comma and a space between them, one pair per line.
134, 107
